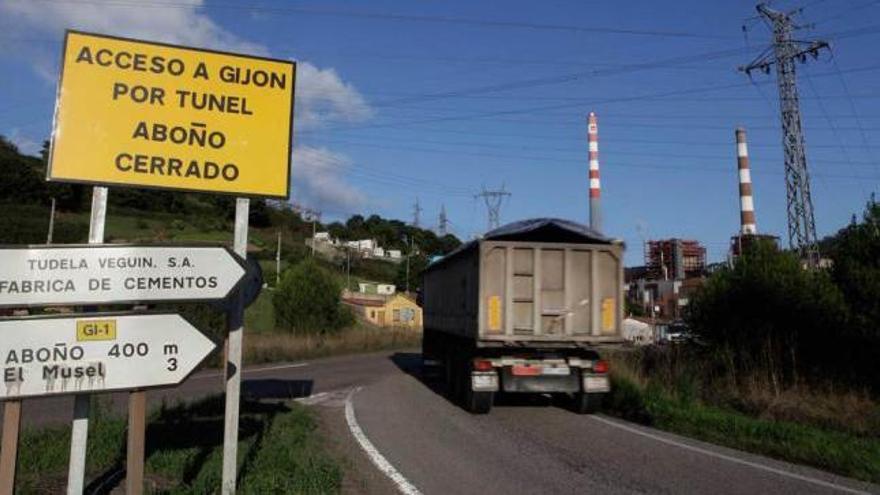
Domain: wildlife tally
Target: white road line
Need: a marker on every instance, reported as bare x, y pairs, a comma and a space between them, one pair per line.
252, 370
273, 368
815, 481
377, 458
312, 399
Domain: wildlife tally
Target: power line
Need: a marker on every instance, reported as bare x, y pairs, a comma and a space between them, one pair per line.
563, 78
386, 16
852, 108
576, 151
543, 160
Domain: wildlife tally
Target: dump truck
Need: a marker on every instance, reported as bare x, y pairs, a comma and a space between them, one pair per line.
525, 309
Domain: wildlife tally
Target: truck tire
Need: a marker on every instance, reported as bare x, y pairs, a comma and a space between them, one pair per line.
585, 403
478, 402
449, 374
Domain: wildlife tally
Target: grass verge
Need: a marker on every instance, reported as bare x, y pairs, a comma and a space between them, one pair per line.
279, 347
841, 452
280, 451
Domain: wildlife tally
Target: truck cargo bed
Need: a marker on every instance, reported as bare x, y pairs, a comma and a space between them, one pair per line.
543, 281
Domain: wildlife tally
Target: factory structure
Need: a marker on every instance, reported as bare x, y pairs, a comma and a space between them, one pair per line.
675, 268
595, 185
748, 225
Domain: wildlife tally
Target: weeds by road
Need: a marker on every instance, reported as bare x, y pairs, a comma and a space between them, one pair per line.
280, 450
275, 347
831, 430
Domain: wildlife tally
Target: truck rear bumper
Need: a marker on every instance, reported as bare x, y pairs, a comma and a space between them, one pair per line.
539, 383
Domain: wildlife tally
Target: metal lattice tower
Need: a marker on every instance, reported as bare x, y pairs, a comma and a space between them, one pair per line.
417, 213
493, 200
784, 53
443, 224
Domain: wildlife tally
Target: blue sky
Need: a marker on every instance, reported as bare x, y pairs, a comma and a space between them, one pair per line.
432, 100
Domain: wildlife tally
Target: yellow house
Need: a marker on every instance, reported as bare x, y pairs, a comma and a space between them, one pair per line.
396, 311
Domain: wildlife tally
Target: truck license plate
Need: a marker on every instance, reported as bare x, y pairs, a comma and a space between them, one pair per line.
556, 370
596, 384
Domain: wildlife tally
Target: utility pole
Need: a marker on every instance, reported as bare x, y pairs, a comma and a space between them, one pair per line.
493, 200
278, 261
442, 225
417, 213
785, 52
348, 267
408, 256
309, 215
51, 222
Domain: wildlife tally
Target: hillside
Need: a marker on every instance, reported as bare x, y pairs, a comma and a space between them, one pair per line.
146, 216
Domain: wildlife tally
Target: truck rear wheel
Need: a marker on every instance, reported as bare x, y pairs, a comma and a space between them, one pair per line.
478, 402
585, 403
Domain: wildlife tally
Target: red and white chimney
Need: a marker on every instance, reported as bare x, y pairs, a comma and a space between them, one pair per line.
595, 188
746, 202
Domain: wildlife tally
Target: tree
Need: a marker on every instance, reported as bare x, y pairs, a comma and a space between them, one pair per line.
417, 264
769, 317
308, 301
855, 252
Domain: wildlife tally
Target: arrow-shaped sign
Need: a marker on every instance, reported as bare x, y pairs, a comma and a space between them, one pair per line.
108, 274
97, 353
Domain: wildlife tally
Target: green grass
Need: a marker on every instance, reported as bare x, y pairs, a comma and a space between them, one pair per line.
280, 451
260, 316
836, 451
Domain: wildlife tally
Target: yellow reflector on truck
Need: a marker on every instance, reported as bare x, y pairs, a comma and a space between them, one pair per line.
494, 314
608, 314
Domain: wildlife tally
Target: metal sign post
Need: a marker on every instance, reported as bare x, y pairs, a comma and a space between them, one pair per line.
79, 432
235, 323
9, 449
134, 448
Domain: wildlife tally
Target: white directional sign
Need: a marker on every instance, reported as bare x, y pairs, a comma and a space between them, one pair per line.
39, 276
97, 353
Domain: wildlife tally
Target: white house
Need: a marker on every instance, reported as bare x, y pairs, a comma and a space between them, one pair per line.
374, 288
393, 254
637, 332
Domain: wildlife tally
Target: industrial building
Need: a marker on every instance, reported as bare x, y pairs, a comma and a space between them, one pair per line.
675, 259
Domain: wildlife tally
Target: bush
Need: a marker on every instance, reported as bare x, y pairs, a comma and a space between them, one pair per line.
29, 224
308, 301
767, 315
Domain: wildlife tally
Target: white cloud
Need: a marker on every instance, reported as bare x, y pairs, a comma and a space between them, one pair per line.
318, 180
24, 144
322, 94
323, 97
183, 24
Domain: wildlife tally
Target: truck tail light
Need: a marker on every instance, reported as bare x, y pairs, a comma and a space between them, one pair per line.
482, 365
600, 366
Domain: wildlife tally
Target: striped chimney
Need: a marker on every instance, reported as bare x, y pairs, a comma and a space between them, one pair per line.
746, 203
593, 139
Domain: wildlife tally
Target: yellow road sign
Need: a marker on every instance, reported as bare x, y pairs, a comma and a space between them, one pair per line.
148, 114
87, 330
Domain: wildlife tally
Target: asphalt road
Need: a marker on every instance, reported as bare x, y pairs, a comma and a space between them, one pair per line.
417, 441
